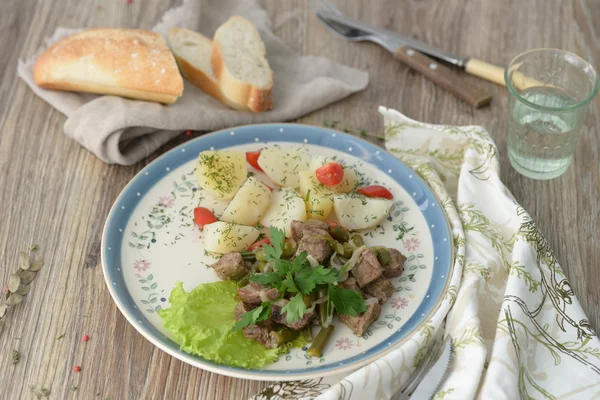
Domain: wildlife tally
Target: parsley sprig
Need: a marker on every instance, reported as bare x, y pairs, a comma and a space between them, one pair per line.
298, 277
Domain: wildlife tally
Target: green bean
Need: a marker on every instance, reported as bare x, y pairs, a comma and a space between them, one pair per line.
286, 335
323, 307
248, 255
348, 250
260, 255
307, 333
309, 299
260, 266
243, 281
383, 256
289, 248
375, 249
340, 234
339, 248
357, 240
316, 348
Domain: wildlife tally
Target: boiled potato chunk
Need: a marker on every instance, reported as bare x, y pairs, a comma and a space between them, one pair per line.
223, 237
286, 206
319, 161
348, 183
282, 164
355, 211
221, 172
249, 204
317, 196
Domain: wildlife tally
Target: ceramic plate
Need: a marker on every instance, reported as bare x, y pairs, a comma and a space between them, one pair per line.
150, 242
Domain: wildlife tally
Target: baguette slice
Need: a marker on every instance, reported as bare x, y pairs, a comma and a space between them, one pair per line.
192, 52
239, 62
124, 62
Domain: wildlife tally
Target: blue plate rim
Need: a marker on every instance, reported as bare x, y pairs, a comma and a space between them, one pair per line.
167, 345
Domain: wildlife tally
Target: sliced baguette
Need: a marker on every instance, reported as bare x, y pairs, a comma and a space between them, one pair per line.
124, 62
192, 52
239, 63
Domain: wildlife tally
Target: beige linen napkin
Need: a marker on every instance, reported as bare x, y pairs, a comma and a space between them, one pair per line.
123, 131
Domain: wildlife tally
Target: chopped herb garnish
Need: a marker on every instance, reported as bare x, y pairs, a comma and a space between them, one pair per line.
15, 356
255, 316
346, 301
294, 309
299, 277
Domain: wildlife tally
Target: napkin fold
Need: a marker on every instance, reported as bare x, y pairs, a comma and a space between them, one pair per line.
123, 131
517, 328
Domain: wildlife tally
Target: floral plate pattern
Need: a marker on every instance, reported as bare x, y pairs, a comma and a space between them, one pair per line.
150, 242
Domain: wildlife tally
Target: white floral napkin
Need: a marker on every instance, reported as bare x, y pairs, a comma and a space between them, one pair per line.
517, 329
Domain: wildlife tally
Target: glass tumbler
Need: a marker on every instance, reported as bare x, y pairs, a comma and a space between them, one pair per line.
549, 92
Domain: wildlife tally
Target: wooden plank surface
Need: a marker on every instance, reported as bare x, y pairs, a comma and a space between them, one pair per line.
56, 194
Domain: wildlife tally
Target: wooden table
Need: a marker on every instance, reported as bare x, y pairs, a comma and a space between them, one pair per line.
57, 195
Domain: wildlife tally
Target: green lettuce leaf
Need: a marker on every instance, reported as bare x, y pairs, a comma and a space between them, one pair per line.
202, 322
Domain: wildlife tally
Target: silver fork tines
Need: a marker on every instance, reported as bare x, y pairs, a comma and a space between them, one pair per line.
346, 30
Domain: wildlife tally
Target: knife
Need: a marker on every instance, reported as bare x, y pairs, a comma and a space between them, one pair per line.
473, 66
414, 53
432, 381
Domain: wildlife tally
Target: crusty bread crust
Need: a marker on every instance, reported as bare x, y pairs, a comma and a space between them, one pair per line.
125, 62
240, 92
199, 78
202, 79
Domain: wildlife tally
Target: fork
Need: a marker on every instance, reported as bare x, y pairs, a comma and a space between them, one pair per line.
344, 32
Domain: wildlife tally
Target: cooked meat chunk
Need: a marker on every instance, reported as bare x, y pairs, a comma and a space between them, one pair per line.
253, 294
262, 334
317, 224
381, 288
231, 266
280, 318
316, 246
367, 268
313, 226
240, 309
394, 268
361, 322
350, 283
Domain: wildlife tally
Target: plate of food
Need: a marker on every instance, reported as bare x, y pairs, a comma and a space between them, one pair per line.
277, 252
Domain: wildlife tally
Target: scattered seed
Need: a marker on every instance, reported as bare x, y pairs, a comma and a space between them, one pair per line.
188, 133
36, 265
23, 290
14, 299
23, 260
27, 277
85, 338
13, 283
77, 368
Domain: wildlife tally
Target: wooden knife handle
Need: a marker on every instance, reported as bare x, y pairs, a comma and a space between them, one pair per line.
443, 76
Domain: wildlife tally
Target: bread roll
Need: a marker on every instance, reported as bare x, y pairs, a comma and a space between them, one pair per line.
124, 62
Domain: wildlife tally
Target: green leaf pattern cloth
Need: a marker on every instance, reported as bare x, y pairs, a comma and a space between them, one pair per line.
518, 332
